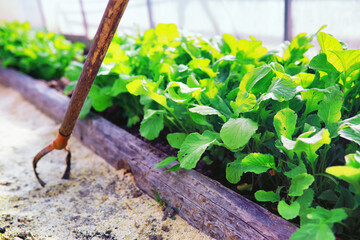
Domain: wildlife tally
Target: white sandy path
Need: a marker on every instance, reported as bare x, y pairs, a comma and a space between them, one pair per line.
97, 199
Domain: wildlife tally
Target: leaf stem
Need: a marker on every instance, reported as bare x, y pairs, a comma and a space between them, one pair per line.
328, 176
179, 124
316, 187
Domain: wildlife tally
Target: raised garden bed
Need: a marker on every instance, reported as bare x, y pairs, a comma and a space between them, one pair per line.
203, 202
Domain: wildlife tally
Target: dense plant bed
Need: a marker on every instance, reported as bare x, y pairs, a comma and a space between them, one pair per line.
204, 203
40, 54
279, 125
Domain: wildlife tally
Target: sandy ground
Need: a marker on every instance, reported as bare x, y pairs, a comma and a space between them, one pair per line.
97, 203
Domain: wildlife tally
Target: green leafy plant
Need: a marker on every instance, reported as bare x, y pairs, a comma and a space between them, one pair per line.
158, 198
40, 54
289, 122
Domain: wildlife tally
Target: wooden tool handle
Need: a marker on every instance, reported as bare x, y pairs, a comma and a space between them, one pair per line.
102, 40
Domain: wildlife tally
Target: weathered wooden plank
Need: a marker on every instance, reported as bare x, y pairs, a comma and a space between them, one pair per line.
203, 202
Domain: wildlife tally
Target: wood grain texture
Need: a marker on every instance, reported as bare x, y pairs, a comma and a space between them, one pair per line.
203, 202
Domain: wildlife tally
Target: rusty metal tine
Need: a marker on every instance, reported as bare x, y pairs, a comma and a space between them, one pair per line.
37, 158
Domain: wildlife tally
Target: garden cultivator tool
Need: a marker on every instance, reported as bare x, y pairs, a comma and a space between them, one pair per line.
102, 40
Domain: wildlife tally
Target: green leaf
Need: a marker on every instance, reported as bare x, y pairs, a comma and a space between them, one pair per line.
174, 168
200, 119
313, 232
304, 79
281, 89
348, 60
203, 65
158, 198
251, 49
166, 32
288, 211
343, 60
327, 42
348, 174
312, 120
136, 87
236, 133
353, 160
320, 63
352, 122
85, 108
267, 196
226, 58
101, 102
182, 87
218, 103
244, 102
176, 139
320, 214
234, 171
328, 195
295, 170
313, 97
278, 68
192, 149
165, 162
205, 110
183, 93
210, 87
73, 71
294, 69
143, 87
285, 122
256, 77
337, 215
105, 70
258, 163
71, 86
164, 69
330, 108
231, 41
192, 82
192, 50
298, 46
300, 183
350, 129
211, 135
306, 144
350, 134
119, 86
305, 200
152, 124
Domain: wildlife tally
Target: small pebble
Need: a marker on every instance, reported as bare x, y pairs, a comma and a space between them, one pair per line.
136, 225
22, 235
169, 212
165, 228
137, 193
155, 237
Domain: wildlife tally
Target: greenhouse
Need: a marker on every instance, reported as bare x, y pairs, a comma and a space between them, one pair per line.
179, 119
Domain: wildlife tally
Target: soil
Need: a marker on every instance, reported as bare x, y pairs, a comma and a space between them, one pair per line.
98, 202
